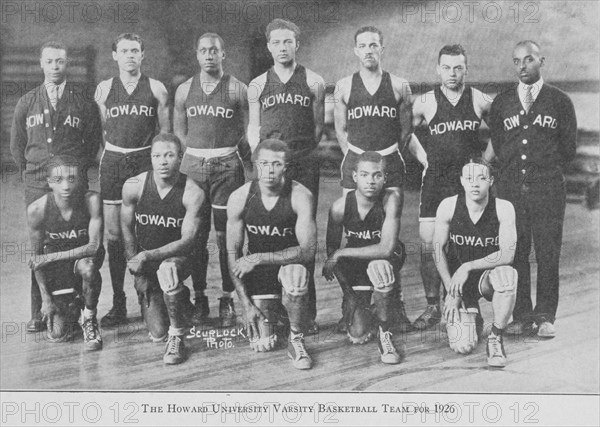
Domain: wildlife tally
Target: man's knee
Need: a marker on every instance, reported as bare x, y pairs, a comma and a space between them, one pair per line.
169, 276
87, 269
381, 274
294, 279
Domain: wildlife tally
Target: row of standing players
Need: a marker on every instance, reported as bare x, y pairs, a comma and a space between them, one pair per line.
373, 112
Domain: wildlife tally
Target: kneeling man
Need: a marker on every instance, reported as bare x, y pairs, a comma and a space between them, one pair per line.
474, 239
370, 262
276, 214
66, 233
161, 218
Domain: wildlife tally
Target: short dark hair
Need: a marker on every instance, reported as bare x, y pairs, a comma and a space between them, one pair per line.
167, 137
478, 161
452, 50
53, 44
531, 42
211, 36
282, 24
64, 160
128, 36
369, 29
370, 156
272, 144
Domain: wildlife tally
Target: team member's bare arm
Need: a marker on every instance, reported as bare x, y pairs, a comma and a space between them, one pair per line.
482, 103
317, 87
179, 117
255, 88
340, 111
132, 190
95, 233
163, 110
235, 244
102, 91
193, 197
414, 145
335, 230
405, 113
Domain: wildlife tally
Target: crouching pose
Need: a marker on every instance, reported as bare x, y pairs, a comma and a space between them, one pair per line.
66, 234
370, 262
276, 214
475, 238
161, 218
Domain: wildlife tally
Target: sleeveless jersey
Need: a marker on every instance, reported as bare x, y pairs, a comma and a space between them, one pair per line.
215, 120
131, 118
452, 134
274, 230
158, 221
286, 112
372, 120
470, 241
62, 235
362, 232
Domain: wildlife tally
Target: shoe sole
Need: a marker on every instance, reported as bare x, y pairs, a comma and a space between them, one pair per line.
542, 335
302, 368
496, 365
391, 362
92, 347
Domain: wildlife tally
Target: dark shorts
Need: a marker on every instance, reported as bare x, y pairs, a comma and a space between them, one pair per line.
306, 170
149, 276
263, 280
63, 275
356, 269
218, 177
116, 168
433, 191
394, 170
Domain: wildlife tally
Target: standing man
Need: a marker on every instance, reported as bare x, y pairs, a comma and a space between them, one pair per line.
68, 252
53, 119
373, 112
161, 219
210, 115
288, 103
132, 105
534, 136
370, 262
475, 237
452, 113
277, 215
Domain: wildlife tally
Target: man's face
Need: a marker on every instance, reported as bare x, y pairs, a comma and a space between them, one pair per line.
54, 64
129, 55
528, 61
452, 69
166, 158
368, 49
210, 55
369, 178
64, 181
476, 181
283, 46
270, 167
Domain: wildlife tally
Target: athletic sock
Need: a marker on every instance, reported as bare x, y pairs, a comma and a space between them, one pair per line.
226, 294
433, 300
496, 330
88, 313
117, 265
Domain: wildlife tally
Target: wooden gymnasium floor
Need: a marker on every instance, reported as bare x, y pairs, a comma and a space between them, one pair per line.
567, 363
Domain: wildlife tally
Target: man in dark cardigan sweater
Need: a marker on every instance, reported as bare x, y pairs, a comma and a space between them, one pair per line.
534, 131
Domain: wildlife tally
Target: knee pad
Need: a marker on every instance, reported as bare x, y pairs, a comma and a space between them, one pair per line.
168, 276
501, 279
294, 279
381, 275
360, 320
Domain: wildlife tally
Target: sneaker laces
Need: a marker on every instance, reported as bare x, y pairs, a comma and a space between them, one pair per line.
428, 313
173, 344
495, 345
298, 343
90, 327
386, 342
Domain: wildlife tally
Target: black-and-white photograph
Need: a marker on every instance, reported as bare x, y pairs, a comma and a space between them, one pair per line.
267, 212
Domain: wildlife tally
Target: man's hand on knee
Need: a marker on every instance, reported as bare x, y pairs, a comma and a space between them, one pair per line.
381, 275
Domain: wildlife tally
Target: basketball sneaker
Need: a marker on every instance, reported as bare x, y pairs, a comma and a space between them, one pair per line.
226, 312
430, 317
496, 357
174, 350
92, 340
389, 354
117, 314
297, 352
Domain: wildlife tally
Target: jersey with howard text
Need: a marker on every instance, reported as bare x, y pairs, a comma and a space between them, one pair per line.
286, 112
215, 120
362, 232
469, 241
130, 119
63, 235
270, 230
158, 221
452, 135
372, 120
